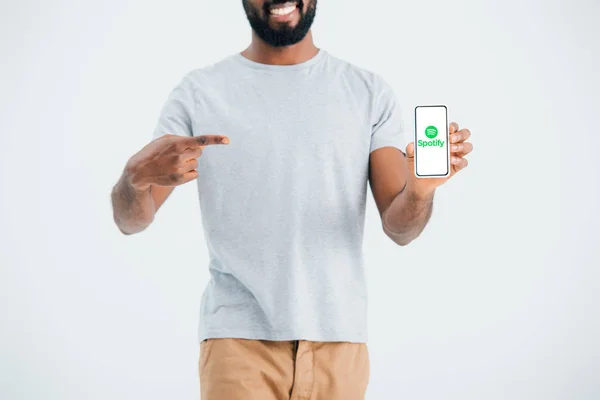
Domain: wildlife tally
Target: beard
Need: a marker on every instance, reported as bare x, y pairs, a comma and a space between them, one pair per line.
283, 35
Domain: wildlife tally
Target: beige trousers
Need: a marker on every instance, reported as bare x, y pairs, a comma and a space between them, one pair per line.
240, 369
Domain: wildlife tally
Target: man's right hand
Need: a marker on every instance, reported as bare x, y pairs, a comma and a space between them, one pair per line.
169, 160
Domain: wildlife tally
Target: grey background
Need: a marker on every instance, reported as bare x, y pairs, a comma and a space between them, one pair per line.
498, 299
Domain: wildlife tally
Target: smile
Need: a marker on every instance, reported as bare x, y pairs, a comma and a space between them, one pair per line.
283, 9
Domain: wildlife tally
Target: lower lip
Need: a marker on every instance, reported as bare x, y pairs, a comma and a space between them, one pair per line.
284, 18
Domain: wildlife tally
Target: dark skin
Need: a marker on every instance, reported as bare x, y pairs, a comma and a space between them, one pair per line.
151, 175
403, 200
263, 53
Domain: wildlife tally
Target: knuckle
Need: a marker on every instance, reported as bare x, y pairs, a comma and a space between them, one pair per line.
172, 147
202, 140
175, 177
174, 160
180, 147
175, 142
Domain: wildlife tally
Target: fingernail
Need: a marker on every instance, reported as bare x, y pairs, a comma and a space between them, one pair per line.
225, 140
454, 147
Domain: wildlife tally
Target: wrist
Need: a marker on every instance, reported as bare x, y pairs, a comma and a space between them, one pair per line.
421, 190
133, 179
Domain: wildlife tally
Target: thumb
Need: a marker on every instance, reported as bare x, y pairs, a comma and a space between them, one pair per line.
410, 150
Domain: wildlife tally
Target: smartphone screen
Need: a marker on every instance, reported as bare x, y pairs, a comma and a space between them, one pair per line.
432, 156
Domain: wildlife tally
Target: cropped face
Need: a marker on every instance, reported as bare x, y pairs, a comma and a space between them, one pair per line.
280, 22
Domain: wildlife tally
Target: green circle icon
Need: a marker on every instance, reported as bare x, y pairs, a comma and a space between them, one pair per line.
431, 132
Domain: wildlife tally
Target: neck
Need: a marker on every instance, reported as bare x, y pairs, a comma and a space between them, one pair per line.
262, 52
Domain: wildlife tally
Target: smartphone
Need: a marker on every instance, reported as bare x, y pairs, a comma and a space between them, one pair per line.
432, 152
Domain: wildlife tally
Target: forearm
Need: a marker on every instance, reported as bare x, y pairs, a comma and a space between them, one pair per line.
407, 215
133, 209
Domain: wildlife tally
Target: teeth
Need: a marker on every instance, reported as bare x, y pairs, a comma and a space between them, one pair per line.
283, 10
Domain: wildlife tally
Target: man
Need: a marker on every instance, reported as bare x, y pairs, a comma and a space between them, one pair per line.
282, 139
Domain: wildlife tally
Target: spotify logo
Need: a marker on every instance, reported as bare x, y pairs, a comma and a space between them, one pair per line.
431, 143
431, 132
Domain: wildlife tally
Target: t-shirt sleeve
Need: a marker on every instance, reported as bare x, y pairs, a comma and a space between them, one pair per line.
388, 127
176, 116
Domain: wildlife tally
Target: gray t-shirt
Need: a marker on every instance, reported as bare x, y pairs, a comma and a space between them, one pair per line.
283, 204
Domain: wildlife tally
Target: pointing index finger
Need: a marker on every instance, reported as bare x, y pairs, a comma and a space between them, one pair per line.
205, 140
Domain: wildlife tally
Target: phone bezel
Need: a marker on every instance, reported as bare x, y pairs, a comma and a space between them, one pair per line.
447, 143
